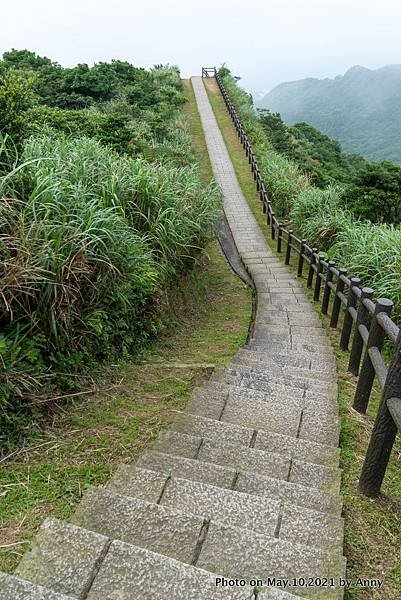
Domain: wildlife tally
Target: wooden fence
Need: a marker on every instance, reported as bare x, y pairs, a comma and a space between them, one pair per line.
365, 327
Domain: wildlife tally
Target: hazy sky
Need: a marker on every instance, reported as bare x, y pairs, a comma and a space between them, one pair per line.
266, 42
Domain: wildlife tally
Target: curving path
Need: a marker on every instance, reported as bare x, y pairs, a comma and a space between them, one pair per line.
245, 483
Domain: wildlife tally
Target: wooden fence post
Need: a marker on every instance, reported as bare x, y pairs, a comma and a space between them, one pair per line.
288, 249
367, 374
384, 431
279, 236
301, 257
318, 281
273, 231
362, 318
327, 289
311, 269
335, 313
351, 303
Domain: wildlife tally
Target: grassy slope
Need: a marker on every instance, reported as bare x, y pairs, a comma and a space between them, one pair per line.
86, 439
372, 527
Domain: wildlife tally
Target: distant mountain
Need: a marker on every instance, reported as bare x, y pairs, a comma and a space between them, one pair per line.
361, 109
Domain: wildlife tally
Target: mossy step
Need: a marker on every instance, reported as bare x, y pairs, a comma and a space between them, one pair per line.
293, 359
14, 588
63, 558
228, 551
131, 572
259, 378
280, 372
174, 443
252, 512
252, 415
306, 526
144, 524
267, 442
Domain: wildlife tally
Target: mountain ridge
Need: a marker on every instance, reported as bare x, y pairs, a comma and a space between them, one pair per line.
361, 108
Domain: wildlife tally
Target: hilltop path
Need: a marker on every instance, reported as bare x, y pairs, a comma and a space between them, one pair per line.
244, 484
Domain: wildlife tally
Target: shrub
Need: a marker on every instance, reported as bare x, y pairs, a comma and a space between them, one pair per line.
318, 215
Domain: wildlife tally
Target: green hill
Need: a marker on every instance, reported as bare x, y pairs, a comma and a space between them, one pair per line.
361, 109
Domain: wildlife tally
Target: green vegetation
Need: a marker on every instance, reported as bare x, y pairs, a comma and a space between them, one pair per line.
205, 320
103, 208
372, 527
87, 437
361, 109
334, 216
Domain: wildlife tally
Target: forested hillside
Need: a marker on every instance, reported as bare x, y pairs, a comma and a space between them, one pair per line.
361, 109
102, 208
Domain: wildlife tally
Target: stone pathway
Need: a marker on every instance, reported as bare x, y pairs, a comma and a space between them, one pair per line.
245, 483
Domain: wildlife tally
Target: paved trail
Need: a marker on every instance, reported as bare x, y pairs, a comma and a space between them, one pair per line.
245, 483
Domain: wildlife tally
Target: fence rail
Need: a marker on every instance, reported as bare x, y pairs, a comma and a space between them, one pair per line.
365, 327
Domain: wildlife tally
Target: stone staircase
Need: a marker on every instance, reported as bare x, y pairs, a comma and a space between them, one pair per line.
245, 483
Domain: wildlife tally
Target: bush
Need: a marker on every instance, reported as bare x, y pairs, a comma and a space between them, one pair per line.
318, 216
375, 193
88, 240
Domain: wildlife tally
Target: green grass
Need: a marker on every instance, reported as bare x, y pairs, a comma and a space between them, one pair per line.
207, 319
372, 527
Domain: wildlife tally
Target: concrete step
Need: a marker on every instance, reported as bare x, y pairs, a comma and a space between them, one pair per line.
63, 558
291, 360
285, 419
129, 572
314, 527
259, 378
227, 506
14, 588
228, 551
208, 500
272, 393
144, 524
181, 444
302, 348
260, 484
281, 372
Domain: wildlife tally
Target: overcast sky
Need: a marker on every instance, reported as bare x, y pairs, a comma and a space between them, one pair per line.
265, 41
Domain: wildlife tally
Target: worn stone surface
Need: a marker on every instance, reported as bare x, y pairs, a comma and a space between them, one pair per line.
143, 524
63, 557
13, 588
187, 468
173, 442
226, 506
235, 553
291, 492
132, 481
202, 427
249, 459
310, 527
129, 573
305, 450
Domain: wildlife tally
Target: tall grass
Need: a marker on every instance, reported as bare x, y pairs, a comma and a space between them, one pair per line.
88, 240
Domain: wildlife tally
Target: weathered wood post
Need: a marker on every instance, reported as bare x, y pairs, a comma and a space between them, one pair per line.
362, 318
351, 303
273, 230
384, 431
311, 269
301, 257
367, 374
318, 281
288, 249
279, 236
327, 289
335, 313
